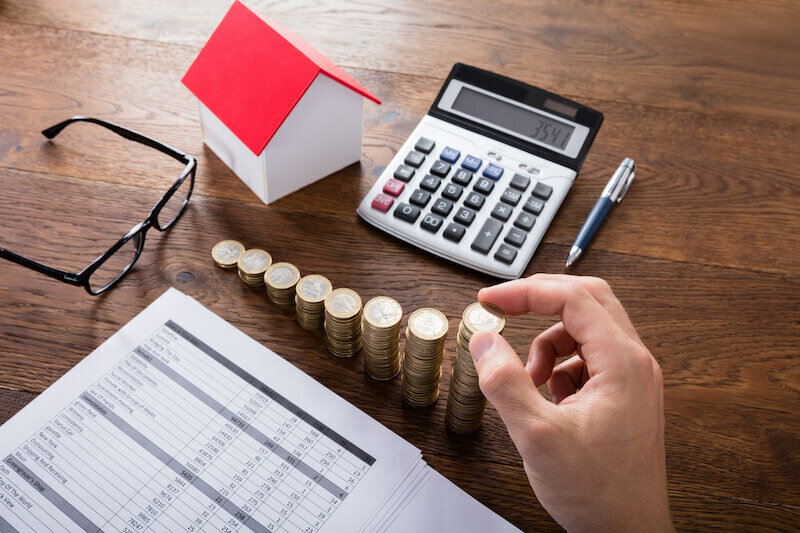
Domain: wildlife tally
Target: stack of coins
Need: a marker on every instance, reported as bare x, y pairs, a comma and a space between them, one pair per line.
381, 332
226, 254
422, 365
466, 402
281, 279
310, 300
252, 266
343, 322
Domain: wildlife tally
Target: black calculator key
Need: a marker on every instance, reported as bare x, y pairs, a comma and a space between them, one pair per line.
424, 145
440, 168
475, 200
516, 237
464, 216
502, 211
487, 235
525, 221
520, 182
404, 173
430, 183
442, 207
506, 254
452, 191
406, 212
431, 223
542, 191
415, 159
510, 196
454, 232
420, 198
533, 205
462, 177
484, 185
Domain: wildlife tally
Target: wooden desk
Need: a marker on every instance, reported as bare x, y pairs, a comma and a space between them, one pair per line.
704, 253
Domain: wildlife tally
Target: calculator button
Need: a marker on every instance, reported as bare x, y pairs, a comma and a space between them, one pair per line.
493, 171
516, 237
484, 185
431, 223
381, 202
475, 200
487, 235
506, 254
450, 155
453, 191
472, 163
415, 159
462, 177
454, 232
420, 198
502, 211
430, 183
520, 182
442, 207
404, 173
525, 221
542, 191
440, 168
406, 212
510, 196
393, 187
464, 216
533, 206
424, 145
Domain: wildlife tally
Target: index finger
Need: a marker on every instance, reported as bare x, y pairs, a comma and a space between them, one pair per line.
586, 321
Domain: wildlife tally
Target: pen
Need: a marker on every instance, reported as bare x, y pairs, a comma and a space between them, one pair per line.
614, 192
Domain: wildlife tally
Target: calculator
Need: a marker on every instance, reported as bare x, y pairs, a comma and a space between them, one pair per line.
482, 176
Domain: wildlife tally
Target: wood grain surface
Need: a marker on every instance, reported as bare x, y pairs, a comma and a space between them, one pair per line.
704, 253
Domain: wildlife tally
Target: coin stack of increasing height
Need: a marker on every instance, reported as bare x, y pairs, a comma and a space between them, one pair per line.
310, 300
281, 279
466, 403
252, 265
343, 322
381, 333
422, 365
226, 254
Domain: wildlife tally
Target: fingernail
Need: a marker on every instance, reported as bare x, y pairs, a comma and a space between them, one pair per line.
480, 344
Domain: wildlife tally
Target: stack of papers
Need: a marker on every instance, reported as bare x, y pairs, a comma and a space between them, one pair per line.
180, 422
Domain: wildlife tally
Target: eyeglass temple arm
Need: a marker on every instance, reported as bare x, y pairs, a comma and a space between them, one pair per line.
52, 131
61, 275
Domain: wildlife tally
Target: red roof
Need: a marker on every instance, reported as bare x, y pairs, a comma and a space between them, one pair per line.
252, 72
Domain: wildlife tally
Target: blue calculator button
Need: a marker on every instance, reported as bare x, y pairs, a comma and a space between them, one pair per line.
493, 171
450, 155
472, 163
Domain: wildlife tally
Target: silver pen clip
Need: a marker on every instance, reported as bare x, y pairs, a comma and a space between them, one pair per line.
621, 181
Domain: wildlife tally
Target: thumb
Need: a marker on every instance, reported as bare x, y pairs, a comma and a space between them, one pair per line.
505, 382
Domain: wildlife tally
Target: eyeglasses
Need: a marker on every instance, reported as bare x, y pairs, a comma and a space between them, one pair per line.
108, 269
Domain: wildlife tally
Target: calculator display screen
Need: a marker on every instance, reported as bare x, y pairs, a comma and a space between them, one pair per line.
517, 119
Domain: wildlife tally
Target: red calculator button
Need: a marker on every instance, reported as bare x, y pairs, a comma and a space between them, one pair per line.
394, 187
381, 202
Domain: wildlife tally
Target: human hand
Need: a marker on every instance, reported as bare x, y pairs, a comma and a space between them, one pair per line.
595, 455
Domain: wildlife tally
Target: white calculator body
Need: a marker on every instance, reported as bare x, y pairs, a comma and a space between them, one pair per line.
484, 173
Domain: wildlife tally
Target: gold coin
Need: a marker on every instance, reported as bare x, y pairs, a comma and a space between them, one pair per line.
314, 288
343, 303
484, 317
227, 253
254, 262
383, 312
428, 324
282, 275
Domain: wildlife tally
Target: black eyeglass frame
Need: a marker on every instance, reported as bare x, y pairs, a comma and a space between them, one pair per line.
137, 232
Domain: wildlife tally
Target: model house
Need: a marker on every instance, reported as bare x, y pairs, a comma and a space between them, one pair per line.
276, 111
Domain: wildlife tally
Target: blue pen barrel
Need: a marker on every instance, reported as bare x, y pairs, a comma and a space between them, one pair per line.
593, 222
